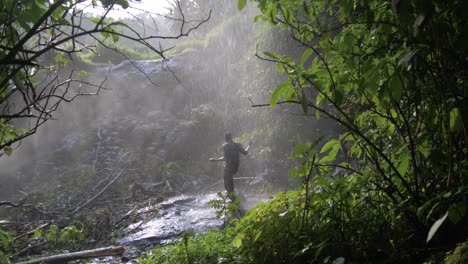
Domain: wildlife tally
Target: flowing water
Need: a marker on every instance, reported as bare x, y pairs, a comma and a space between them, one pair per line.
176, 215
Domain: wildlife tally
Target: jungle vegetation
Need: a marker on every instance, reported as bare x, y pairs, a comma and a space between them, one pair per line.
389, 185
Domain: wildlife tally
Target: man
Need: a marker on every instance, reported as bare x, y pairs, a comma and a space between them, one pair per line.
231, 151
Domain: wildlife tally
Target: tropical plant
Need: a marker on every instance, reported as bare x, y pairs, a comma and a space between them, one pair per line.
393, 75
6, 240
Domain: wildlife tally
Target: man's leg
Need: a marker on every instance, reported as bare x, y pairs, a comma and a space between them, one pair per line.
228, 180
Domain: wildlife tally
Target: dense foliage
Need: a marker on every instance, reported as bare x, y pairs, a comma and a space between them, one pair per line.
394, 75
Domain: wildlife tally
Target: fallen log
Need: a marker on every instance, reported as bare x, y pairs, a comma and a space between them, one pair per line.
62, 258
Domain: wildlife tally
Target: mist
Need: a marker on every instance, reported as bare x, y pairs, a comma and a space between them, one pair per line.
193, 99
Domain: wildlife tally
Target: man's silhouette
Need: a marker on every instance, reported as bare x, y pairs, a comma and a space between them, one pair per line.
231, 151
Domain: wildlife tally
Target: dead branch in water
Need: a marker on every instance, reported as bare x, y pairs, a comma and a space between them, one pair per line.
98, 194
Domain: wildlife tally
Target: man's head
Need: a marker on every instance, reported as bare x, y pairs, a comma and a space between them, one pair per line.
228, 137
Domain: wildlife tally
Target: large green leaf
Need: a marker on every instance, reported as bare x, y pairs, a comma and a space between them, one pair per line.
456, 212
305, 56
123, 3
396, 88
333, 146
287, 14
237, 242
334, 143
456, 122
404, 164
241, 4
280, 91
272, 55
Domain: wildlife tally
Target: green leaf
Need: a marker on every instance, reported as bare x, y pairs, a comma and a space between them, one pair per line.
257, 235
457, 212
287, 14
8, 150
346, 8
115, 37
95, 19
61, 60
105, 34
83, 73
24, 23
280, 91
238, 240
37, 233
396, 89
123, 3
422, 209
456, 122
306, 56
6, 238
39, 5
334, 143
424, 148
272, 55
404, 164
319, 99
241, 4
436, 227
271, 14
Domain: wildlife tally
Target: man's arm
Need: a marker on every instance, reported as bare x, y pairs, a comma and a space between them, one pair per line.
248, 147
217, 159
220, 158
246, 150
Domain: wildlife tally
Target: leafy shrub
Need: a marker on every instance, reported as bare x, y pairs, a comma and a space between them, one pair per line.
212, 247
68, 236
224, 206
458, 255
5, 240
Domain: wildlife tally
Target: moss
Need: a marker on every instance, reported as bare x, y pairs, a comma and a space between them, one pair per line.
458, 255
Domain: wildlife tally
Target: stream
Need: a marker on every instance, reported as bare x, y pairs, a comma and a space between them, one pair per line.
170, 219
177, 214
